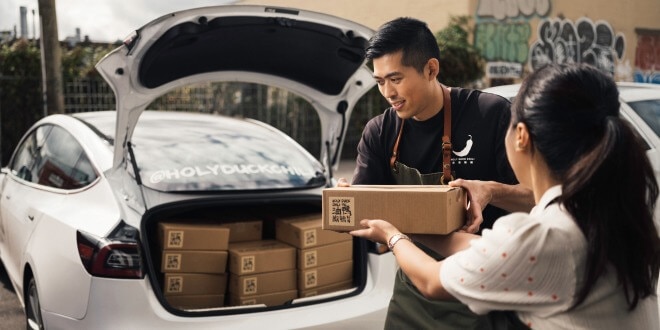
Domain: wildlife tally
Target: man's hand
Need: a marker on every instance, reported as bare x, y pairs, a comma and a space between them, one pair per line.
341, 182
478, 196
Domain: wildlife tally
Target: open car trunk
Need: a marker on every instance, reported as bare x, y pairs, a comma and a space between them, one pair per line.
276, 256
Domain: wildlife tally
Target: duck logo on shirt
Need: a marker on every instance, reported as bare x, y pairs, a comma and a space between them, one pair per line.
461, 156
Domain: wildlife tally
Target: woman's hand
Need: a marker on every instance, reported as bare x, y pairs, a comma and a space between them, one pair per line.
375, 230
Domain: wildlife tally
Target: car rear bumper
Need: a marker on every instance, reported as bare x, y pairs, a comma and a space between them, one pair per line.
131, 304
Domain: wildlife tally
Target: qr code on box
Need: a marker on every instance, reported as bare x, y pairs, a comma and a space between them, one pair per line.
341, 211
172, 261
175, 239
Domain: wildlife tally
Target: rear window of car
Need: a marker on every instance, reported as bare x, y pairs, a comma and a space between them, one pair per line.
208, 152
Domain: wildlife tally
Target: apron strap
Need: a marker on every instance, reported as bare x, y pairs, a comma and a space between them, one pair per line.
395, 151
446, 138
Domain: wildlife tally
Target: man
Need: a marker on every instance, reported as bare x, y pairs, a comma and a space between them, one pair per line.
404, 145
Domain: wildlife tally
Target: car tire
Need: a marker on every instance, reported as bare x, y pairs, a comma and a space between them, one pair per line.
33, 307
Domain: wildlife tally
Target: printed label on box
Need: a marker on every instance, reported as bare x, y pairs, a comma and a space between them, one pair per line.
172, 261
174, 284
310, 237
310, 258
310, 294
341, 211
310, 279
249, 302
250, 285
175, 239
247, 264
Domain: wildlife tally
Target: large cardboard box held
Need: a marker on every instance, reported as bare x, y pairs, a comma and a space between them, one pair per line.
192, 236
193, 261
260, 256
192, 284
412, 209
306, 231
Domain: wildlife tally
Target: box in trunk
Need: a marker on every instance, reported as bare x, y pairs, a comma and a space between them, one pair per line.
196, 301
325, 275
192, 284
263, 283
192, 236
184, 261
260, 256
269, 299
326, 289
306, 231
325, 254
245, 230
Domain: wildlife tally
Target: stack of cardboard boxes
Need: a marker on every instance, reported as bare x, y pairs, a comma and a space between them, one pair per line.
261, 272
324, 258
194, 263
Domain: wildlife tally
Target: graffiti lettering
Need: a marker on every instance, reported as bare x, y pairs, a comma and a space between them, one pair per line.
562, 41
503, 42
501, 9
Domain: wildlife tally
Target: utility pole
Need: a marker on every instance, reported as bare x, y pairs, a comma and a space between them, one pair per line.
51, 59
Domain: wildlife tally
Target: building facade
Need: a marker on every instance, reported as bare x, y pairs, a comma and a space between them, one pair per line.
517, 36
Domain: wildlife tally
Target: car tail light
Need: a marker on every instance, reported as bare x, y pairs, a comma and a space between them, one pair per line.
110, 257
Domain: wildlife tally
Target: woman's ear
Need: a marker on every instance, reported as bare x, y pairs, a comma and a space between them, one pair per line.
522, 137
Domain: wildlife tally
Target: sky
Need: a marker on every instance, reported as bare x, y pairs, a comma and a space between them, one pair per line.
100, 20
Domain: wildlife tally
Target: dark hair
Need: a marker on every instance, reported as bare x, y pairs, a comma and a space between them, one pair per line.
608, 184
409, 35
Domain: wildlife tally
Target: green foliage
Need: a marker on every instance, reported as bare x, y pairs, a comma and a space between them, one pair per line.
20, 93
79, 61
460, 62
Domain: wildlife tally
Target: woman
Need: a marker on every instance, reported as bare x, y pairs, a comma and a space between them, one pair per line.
587, 256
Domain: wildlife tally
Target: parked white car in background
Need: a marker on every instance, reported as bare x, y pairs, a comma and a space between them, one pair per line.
640, 105
83, 194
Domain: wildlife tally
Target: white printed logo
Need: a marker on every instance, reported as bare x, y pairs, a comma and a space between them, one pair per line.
466, 150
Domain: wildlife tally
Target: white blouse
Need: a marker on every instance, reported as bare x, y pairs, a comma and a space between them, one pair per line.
534, 264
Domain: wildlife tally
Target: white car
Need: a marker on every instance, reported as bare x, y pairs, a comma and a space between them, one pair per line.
83, 194
640, 105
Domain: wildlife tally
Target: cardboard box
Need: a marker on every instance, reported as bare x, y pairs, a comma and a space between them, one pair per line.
197, 301
325, 255
325, 275
326, 289
306, 231
412, 209
270, 299
260, 256
191, 236
214, 262
247, 230
246, 285
191, 284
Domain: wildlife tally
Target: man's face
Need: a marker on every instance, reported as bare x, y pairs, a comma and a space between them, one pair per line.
407, 90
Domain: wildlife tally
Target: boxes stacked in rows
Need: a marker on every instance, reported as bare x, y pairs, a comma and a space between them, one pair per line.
324, 258
194, 264
261, 272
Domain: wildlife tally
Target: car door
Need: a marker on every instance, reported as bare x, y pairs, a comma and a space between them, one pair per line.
16, 214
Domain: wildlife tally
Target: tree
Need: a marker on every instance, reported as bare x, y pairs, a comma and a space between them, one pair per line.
461, 63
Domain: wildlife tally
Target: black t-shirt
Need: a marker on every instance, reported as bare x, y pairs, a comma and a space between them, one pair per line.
479, 124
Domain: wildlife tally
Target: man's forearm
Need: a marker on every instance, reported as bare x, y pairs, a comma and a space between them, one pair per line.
512, 198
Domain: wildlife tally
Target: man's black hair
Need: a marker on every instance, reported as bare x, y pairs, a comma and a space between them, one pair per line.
409, 35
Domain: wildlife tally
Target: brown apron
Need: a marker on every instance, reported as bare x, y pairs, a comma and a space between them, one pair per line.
408, 308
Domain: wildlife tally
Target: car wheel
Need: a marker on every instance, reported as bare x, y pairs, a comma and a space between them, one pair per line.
32, 307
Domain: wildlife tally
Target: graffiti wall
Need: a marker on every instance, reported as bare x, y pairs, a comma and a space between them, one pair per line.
505, 37
647, 58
